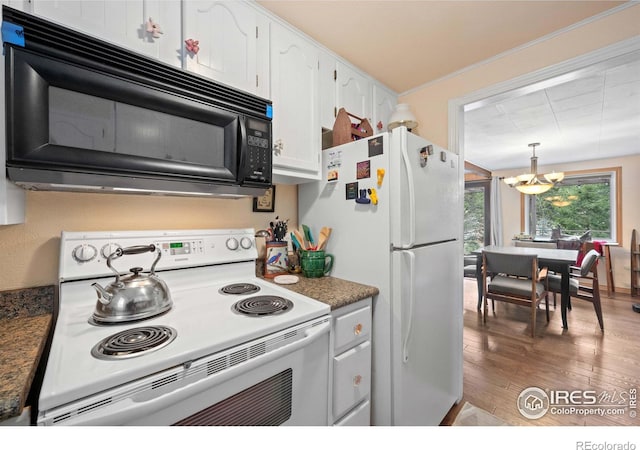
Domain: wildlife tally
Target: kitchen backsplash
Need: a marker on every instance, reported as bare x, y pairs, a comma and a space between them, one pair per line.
29, 252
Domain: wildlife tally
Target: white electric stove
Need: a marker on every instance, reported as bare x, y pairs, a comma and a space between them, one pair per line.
230, 342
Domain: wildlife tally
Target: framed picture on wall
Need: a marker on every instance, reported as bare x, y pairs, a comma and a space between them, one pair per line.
266, 202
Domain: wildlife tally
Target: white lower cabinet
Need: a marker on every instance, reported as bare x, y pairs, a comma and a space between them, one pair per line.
351, 364
360, 416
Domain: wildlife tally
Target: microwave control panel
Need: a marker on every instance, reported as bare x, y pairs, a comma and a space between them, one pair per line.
257, 166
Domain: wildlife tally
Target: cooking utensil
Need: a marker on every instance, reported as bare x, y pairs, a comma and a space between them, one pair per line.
295, 241
132, 297
325, 232
300, 239
307, 234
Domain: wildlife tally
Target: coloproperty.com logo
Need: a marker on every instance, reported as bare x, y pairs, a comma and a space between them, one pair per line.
534, 402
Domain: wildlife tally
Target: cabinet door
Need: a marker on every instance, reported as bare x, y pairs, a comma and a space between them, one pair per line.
359, 417
123, 23
352, 328
227, 34
20, 5
327, 88
294, 92
351, 378
384, 101
353, 91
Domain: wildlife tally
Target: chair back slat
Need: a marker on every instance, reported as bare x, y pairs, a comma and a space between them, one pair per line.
518, 265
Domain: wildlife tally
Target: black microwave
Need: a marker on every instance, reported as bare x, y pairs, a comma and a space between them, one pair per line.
86, 115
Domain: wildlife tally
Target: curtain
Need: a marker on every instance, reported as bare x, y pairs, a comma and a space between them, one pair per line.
496, 211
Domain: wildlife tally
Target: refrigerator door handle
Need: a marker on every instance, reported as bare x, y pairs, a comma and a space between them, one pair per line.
407, 335
412, 198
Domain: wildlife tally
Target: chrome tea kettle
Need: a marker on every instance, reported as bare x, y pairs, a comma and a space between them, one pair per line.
134, 296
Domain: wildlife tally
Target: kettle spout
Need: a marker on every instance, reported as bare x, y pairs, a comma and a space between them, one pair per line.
103, 296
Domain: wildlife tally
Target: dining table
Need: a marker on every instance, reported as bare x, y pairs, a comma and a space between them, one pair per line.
556, 260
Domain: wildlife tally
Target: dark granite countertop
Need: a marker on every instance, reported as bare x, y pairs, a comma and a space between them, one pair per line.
335, 292
25, 319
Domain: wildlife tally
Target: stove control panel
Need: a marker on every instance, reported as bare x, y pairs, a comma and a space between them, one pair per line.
84, 254
173, 248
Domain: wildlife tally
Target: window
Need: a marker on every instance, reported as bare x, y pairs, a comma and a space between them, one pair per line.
583, 201
476, 215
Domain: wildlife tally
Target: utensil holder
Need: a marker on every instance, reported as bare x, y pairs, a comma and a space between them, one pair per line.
276, 260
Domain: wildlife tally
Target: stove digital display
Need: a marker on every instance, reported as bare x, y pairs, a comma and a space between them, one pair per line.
179, 248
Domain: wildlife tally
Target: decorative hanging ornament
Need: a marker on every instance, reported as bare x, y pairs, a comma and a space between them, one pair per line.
192, 46
153, 28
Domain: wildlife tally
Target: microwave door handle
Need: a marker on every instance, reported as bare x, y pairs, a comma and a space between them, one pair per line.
243, 148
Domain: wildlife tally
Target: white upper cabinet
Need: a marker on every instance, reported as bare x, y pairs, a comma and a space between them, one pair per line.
344, 87
384, 101
294, 93
327, 86
123, 23
232, 44
21, 5
354, 91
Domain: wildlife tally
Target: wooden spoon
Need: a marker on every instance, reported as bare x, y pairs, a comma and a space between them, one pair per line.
299, 236
325, 232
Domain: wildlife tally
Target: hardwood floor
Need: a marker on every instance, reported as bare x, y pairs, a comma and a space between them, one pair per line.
501, 359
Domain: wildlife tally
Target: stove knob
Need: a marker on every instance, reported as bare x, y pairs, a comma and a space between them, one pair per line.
246, 243
109, 249
232, 244
84, 253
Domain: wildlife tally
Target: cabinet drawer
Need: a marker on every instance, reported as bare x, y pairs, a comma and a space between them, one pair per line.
352, 328
359, 417
351, 378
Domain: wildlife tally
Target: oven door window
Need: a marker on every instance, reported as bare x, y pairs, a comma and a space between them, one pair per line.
76, 118
267, 403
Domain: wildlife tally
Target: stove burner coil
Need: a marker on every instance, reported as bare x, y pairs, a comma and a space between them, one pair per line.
240, 288
263, 305
134, 342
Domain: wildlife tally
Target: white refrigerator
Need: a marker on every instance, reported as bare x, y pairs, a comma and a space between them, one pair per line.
408, 243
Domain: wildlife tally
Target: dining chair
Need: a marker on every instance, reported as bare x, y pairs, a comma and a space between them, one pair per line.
470, 267
516, 279
583, 282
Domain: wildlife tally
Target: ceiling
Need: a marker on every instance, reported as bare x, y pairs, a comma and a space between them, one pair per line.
406, 44
595, 115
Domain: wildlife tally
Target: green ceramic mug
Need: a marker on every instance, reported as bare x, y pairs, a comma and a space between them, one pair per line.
316, 263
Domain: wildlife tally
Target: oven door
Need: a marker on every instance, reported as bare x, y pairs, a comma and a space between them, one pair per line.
281, 379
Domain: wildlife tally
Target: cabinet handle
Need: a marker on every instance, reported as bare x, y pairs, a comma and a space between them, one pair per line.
357, 329
357, 380
278, 146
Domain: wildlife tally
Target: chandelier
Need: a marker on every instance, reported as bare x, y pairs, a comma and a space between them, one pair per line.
529, 183
561, 201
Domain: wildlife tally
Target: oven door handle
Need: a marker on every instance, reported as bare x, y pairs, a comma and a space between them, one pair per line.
133, 405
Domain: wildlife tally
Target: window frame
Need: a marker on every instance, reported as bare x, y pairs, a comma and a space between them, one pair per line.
526, 219
484, 184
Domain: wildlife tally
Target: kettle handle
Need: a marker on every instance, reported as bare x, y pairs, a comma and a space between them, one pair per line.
134, 250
